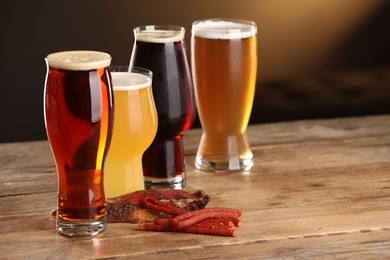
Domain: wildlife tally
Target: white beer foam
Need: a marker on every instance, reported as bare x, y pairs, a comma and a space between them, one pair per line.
160, 36
129, 81
223, 29
79, 60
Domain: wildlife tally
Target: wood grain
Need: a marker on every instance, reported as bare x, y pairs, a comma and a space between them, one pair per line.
319, 189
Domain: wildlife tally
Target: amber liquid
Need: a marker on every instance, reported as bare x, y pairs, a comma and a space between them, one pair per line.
224, 72
78, 117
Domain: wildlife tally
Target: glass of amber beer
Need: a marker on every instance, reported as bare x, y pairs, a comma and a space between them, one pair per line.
224, 66
78, 106
161, 49
135, 127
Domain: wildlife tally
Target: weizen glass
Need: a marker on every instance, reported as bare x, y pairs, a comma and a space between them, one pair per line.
78, 106
162, 50
224, 67
135, 127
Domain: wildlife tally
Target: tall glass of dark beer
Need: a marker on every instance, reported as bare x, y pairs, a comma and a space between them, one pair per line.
224, 67
78, 107
161, 49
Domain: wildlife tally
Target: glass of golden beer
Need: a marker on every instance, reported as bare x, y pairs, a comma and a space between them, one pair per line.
224, 68
135, 126
78, 105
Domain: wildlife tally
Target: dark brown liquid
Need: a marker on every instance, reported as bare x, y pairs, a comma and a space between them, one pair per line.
164, 158
78, 114
173, 95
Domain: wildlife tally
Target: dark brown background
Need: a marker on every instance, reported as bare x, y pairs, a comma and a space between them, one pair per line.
324, 58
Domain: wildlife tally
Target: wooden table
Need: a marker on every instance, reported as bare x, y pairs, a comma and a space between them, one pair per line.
319, 188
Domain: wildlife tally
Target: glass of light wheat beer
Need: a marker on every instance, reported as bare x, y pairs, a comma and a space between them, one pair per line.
224, 68
78, 107
135, 127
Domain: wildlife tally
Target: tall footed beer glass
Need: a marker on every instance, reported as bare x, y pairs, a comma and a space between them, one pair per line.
78, 105
161, 49
224, 66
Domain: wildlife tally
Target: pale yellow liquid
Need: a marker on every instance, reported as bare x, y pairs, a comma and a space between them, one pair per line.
135, 126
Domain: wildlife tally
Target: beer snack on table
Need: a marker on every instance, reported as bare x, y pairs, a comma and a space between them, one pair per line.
210, 221
173, 211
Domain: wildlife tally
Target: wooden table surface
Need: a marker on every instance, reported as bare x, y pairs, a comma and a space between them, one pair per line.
319, 189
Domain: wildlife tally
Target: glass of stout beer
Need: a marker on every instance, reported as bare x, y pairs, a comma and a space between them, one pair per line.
78, 107
224, 67
161, 49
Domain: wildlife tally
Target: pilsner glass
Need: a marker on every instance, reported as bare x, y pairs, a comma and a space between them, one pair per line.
162, 50
135, 127
78, 105
224, 66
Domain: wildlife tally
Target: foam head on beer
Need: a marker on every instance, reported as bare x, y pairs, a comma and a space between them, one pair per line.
155, 35
129, 81
223, 29
78, 60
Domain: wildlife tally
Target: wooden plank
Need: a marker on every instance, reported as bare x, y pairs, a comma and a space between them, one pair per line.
370, 245
124, 240
26, 181
292, 210
21, 155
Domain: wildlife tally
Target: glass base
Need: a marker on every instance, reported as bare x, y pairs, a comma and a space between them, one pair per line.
221, 152
177, 183
80, 228
234, 164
